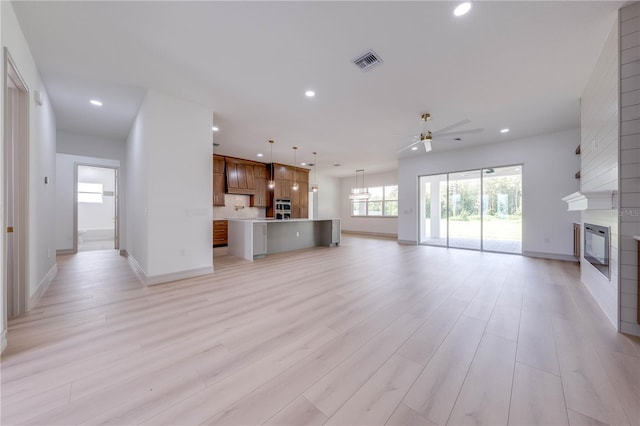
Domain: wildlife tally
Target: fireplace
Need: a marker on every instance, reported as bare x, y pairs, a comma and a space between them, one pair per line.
596, 247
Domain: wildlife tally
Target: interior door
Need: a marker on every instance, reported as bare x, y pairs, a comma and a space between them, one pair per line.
16, 183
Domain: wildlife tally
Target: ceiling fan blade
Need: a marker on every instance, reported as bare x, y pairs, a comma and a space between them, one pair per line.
410, 145
453, 126
461, 132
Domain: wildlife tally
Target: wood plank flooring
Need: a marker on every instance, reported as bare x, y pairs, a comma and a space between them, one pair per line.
367, 333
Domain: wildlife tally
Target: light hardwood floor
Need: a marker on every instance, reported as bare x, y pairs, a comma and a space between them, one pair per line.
370, 332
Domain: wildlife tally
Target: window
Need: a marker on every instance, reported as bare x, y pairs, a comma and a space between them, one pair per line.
90, 193
383, 202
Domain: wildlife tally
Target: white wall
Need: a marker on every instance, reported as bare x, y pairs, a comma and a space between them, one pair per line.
136, 189
329, 202
42, 148
599, 166
64, 185
629, 166
373, 225
549, 165
170, 187
91, 146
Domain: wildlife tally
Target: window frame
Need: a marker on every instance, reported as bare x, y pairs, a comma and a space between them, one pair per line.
383, 202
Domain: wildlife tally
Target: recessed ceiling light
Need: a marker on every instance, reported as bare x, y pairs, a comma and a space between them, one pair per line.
414, 148
505, 130
462, 8
215, 129
303, 164
259, 154
95, 102
309, 93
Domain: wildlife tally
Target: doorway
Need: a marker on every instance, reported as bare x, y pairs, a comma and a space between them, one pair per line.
16, 174
475, 209
96, 208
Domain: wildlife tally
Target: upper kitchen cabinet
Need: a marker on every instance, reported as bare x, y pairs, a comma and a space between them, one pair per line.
302, 175
218, 164
240, 177
283, 172
262, 197
218, 180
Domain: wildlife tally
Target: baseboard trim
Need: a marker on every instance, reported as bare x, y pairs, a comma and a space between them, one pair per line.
176, 276
552, 256
133, 263
408, 242
61, 252
371, 234
43, 285
3, 342
166, 278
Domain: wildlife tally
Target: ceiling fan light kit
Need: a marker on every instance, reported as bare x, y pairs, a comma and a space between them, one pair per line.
426, 137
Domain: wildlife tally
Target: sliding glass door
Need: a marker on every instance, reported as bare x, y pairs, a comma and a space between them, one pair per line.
433, 210
465, 230
474, 209
502, 209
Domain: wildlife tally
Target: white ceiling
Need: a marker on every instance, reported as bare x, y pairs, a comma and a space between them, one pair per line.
521, 65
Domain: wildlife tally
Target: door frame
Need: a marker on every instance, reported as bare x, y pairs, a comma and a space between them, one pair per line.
116, 223
21, 295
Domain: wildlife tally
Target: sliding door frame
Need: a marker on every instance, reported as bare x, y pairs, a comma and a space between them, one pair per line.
447, 174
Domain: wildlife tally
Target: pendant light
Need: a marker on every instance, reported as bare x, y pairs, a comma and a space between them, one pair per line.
359, 192
314, 186
295, 182
272, 182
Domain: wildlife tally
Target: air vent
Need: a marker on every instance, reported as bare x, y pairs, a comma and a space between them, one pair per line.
367, 61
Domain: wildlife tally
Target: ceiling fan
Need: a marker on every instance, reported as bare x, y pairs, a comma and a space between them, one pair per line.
426, 136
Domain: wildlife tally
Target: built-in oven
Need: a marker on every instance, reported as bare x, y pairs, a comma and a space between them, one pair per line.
282, 208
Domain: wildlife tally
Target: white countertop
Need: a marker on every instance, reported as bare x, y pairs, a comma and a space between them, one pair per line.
269, 220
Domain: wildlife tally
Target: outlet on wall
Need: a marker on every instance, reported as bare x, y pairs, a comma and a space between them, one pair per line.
297, 234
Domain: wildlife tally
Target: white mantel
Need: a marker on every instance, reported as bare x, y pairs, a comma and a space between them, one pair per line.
596, 200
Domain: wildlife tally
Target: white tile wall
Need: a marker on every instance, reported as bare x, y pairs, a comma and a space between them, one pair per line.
599, 165
629, 217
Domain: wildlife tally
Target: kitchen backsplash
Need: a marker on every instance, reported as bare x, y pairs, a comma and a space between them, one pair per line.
237, 206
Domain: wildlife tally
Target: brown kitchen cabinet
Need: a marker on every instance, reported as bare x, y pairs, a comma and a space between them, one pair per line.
219, 180
283, 172
218, 164
240, 177
262, 197
282, 189
220, 233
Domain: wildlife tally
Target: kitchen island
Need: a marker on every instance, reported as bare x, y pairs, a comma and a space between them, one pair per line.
254, 238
